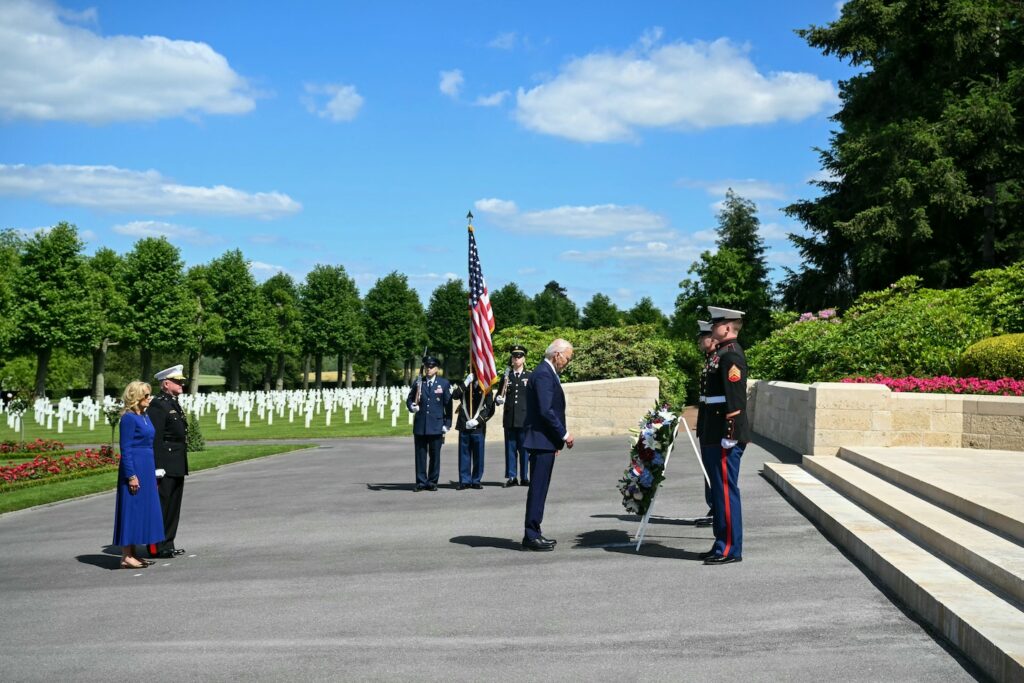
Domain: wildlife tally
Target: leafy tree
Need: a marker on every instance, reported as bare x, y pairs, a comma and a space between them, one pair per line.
52, 287
448, 324
160, 306
106, 287
600, 312
247, 321
206, 327
282, 295
331, 315
553, 308
10, 251
396, 325
645, 313
735, 276
925, 171
510, 306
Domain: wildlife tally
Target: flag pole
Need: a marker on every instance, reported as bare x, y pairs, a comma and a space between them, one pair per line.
469, 227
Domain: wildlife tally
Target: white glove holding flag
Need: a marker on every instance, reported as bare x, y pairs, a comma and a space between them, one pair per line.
499, 400
414, 408
469, 379
472, 424
729, 443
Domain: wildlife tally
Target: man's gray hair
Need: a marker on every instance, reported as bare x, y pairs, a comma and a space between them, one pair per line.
557, 346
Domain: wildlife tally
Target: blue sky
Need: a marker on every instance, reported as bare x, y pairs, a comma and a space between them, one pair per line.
593, 141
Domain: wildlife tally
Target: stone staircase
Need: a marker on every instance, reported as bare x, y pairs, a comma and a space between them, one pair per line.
942, 529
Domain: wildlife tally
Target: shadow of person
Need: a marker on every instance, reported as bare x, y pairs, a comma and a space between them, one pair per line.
487, 542
112, 550
101, 561
391, 487
655, 519
619, 541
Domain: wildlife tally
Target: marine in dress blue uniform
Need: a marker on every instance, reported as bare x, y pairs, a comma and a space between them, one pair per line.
707, 348
430, 399
170, 453
472, 427
512, 395
725, 434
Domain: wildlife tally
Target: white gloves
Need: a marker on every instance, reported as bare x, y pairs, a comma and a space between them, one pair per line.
499, 400
472, 424
469, 379
444, 430
729, 443
414, 408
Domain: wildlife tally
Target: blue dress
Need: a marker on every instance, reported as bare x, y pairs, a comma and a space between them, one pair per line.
137, 518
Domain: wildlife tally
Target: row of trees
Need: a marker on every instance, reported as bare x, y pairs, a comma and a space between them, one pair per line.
54, 299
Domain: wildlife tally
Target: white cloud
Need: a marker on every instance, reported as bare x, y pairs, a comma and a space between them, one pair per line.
749, 188
259, 269
172, 231
428, 278
52, 70
496, 206
652, 253
823, 175
775, 231
343, 101
709, 235
451, 83
492, 100
504, 41
110, 188
606, 97
601, 220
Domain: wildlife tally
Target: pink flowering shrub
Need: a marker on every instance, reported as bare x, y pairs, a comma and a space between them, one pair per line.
43, 467
1006, 386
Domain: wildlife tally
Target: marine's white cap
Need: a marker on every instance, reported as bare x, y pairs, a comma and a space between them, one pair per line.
720, 314
175, 372
703, 327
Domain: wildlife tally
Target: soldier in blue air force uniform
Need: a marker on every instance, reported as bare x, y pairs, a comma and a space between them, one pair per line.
430, 399
725, 433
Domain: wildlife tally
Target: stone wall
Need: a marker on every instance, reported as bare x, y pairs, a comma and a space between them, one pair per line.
837, 414
605, 407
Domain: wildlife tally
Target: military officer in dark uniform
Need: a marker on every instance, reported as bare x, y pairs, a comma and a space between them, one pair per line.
169, 451
725, 434
475, 409
430, 399
707, 348
512, 394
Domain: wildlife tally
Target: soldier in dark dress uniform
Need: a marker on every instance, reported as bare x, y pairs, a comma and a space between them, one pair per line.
472, 426
725, 434
512, 394
707, 347
430, 399
169, 451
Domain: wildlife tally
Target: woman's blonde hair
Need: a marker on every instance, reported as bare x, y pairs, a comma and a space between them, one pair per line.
133, 395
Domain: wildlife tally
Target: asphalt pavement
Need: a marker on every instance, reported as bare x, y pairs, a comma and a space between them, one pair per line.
324, 564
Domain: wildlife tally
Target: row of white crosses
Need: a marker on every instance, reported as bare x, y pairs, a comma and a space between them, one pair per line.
266, 405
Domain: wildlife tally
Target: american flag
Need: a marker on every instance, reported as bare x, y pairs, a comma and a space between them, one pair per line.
482, 322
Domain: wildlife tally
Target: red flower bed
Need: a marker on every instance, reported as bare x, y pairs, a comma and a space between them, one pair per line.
1006, 386
43, 467
37, 446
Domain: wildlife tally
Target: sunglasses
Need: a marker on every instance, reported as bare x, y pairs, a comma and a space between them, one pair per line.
517, 354
431, 365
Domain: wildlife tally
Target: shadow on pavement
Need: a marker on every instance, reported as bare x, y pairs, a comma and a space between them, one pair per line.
619, 541
679, 521
783, 454
390, 487
487, 542
101, 561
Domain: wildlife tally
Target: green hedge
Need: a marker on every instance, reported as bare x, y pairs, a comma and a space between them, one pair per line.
994, 358
607, 353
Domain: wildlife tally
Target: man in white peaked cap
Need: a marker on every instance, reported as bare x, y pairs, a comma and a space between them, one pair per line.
170, 454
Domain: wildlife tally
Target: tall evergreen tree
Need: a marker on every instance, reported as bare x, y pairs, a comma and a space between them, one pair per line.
644, 312
925, 172
600, 312
553, 308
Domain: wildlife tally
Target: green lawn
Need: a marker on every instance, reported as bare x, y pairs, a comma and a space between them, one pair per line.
19, 499
281, 429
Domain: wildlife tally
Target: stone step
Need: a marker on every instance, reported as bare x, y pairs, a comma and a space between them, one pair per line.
985, 627
955, 479
991, 558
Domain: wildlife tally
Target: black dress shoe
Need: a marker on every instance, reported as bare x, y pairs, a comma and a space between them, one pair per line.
718, 559
178, 551
432, 487
418, 488
537, 544
524, 482
552, 541
477, 486
509, 483
460, 486
164, 555
706, 554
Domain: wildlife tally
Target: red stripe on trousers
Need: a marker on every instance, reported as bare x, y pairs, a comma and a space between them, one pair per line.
728, 515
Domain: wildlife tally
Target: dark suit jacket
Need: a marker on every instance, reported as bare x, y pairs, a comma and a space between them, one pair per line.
435, 415
171, 427
545, 410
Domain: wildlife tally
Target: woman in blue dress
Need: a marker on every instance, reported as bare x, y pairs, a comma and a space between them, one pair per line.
137, 516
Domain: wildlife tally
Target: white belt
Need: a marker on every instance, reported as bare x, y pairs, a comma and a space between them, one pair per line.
713, 399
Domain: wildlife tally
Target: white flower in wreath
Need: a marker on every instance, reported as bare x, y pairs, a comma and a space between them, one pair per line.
649, 438
666, 416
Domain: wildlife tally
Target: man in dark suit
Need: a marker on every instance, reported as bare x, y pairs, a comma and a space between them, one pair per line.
546, 436
169, 453
512, 394
430, 399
